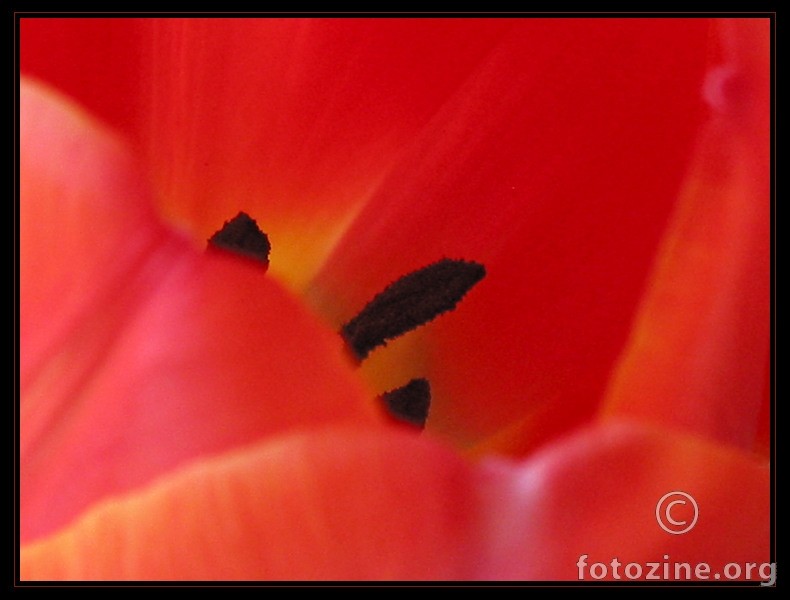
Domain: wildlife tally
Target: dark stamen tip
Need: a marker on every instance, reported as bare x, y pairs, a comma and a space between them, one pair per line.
241, 235
410, 403
413, 300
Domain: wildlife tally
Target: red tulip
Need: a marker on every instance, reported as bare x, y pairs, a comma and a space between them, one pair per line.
184, 416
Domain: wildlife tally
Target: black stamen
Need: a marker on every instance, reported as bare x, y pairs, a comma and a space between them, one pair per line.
411, 301
242, 236
411, 402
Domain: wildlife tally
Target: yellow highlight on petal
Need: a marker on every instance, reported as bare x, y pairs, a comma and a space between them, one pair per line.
299, 249
301, 241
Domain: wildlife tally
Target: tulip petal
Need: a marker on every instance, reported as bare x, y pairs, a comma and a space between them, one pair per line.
140, 353
556, 166
699, 350
594, 495
333, 505
294, 121
353, 505
96, 61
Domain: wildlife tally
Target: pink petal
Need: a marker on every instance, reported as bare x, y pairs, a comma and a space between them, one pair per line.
594, 495
138, 353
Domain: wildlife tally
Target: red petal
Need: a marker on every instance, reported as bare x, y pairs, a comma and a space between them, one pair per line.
96, 61
339, 505
595, 495
138, 353
354, 505
699, 351
556, 166
292, 120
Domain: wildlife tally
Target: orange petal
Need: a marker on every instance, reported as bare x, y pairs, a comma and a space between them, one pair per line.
349, 505
595, 494
139, 353
699, 351
337, 505
556, 166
